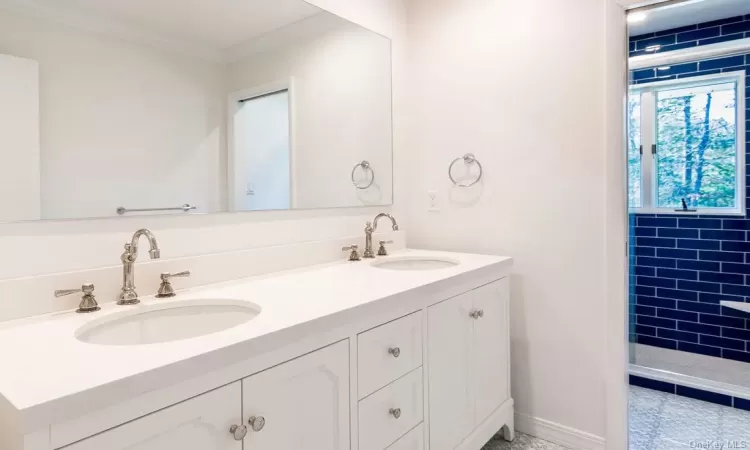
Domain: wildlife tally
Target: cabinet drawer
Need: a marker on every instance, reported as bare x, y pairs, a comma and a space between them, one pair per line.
388, 352
379, 425
414, 440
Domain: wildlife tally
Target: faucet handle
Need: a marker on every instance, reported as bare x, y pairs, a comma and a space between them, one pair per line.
88, 300
165, 276
165, 288
382, 251
354, 249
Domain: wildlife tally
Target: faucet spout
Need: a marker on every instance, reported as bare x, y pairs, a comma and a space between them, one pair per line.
371, 228
394, 224
153, 252
128, 295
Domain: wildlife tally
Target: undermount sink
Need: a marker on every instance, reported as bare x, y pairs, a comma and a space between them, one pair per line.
167, 322
415, 263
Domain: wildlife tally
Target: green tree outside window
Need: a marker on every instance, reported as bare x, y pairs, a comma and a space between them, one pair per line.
696, 141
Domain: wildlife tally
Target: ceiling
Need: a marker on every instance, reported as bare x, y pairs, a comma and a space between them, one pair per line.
213, 24
689, 13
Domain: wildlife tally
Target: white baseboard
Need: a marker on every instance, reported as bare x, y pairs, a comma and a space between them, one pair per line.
559, 434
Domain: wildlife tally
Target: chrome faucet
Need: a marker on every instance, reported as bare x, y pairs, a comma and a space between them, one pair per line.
128, 296
370, 228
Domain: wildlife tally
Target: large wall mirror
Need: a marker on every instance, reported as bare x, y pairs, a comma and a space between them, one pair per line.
121, 108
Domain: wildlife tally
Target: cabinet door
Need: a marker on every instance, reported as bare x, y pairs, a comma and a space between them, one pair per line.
201, 423
491, 348
450, 340
414, 440
301, 404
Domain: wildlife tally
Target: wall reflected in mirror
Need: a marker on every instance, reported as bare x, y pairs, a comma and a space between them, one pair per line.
107, 108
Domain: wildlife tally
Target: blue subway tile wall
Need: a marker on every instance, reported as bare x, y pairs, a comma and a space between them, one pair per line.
683, 267
677, 289
692, 36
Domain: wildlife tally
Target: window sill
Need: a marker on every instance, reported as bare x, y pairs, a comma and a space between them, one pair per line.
701, 212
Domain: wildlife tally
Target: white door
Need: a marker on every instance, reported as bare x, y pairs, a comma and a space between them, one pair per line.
19, 139
262, 159
450, 340
301, 404
201, 423
491, 348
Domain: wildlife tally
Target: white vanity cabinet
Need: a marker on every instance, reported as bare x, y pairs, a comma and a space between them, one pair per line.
201, 423
468, 353
426, 368
301, 404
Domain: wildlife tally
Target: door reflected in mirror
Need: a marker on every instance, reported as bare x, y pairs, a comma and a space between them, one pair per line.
143, 107
261, 160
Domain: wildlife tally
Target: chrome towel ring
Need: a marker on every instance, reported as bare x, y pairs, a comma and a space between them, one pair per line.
467, 159
365, 165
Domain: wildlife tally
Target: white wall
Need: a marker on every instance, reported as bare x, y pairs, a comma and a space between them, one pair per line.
50, 247
341, 73
127, 107
19, 139
522, 86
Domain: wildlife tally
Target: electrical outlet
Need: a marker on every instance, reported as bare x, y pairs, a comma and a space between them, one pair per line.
432, 200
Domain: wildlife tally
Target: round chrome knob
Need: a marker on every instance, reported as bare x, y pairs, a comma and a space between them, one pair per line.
257, 422
474, 314
395, 412
480, 313
395, 351
238, 432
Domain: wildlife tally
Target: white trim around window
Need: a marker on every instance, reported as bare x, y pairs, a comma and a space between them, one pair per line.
648, 139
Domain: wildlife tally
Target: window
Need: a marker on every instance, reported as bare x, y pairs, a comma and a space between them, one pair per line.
686, 145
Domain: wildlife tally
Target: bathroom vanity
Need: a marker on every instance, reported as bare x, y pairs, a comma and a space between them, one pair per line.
228, 107
406, 352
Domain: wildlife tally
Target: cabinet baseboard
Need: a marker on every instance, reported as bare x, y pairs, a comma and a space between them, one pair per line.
558, 434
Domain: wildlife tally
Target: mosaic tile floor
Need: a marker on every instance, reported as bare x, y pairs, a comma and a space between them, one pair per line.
522, 442
661, 421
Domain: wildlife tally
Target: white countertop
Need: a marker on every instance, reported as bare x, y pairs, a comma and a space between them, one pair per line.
42, 361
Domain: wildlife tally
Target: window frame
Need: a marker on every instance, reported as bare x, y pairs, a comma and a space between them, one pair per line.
649, 189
